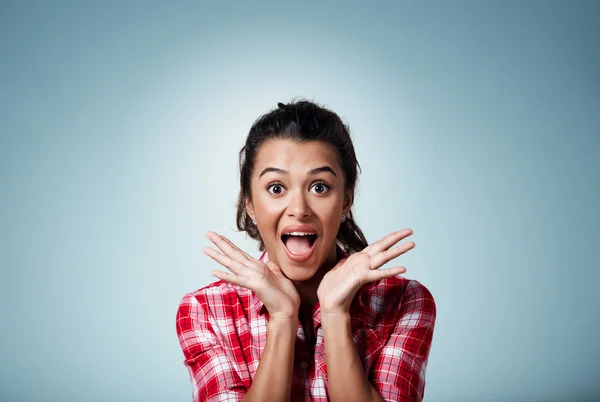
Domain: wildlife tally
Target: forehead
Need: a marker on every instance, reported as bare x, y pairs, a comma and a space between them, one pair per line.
293, 155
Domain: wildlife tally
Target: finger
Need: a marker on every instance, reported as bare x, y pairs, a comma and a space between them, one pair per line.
246, 255
387, 242
228, 248
227, 277
378, 242
379, 274
384, 257
228, 262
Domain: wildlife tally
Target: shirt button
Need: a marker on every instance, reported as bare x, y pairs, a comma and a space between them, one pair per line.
304, 365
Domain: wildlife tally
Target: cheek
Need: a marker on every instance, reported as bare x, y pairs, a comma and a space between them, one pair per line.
330, 216
333, 226
267, 208
268, 213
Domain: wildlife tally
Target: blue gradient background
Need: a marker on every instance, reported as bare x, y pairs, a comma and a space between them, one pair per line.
476, 124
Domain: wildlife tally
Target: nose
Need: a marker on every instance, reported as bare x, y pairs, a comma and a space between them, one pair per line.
298, 206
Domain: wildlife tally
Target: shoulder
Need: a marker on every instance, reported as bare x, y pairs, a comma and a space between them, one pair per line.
400, 288
216, 299
398, 296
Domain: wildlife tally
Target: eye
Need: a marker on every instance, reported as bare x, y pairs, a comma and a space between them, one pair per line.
320, 187
275, 189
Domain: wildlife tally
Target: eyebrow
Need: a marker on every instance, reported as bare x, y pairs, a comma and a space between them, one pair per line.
310, 172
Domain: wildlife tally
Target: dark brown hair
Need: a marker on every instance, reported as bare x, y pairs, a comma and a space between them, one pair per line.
301, 121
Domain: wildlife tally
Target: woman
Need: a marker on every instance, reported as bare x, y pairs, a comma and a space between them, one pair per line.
316, 312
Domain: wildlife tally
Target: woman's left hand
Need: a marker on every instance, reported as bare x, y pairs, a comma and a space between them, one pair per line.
338, 286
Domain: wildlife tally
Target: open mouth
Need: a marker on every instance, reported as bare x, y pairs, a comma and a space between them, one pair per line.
298, 245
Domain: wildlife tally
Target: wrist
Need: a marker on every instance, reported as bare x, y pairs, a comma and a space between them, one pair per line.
283, 321
286, 314
334, 310
336, 324
336, 315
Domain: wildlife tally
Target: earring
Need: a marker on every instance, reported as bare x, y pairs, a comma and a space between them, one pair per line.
253, 222
343, 218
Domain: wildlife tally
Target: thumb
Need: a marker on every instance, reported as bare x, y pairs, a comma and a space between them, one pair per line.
273, 267
276, 270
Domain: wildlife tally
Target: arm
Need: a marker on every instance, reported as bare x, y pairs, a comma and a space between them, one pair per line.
345, 374
213, 375
273, 379
398, 374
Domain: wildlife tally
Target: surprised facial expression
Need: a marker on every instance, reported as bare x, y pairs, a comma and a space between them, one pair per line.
298, 199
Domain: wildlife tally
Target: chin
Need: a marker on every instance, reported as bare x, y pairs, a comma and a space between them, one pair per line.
297, 271
299, 274
303, 267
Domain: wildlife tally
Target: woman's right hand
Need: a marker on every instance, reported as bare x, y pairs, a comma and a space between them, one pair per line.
278, 293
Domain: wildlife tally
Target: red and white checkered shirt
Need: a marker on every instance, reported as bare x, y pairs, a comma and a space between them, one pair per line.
222, 330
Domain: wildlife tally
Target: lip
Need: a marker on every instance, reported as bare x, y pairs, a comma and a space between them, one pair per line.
299, 228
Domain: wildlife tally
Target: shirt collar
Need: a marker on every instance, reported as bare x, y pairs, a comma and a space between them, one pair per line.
257, 304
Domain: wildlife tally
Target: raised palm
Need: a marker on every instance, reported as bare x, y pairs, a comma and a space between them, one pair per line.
278, 293
340, 284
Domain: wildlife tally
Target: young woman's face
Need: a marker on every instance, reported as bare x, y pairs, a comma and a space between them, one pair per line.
298, 200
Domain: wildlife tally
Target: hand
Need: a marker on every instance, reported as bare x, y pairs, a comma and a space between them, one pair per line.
338, 286
278, 293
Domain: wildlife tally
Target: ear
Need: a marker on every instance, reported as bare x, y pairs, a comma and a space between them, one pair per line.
348, 201
249, 208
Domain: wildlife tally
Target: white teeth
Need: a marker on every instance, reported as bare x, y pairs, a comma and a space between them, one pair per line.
298, 234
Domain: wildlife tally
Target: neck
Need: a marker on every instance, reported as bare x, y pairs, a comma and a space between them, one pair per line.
308, 289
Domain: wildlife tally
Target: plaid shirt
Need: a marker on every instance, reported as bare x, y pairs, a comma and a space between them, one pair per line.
222, 330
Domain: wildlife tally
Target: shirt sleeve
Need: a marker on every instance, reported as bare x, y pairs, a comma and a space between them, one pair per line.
213, 375
399, 372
